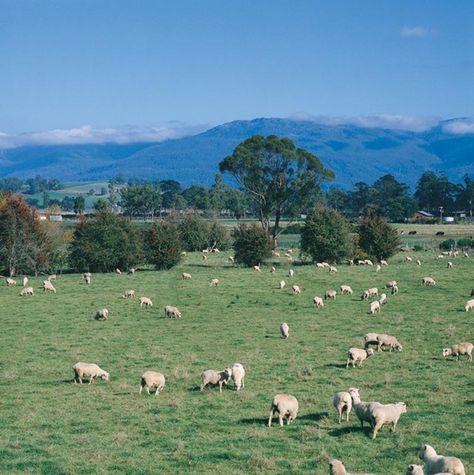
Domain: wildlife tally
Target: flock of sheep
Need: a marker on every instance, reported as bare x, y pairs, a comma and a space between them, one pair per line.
286, 406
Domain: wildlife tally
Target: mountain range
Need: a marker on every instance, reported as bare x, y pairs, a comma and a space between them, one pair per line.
355, 153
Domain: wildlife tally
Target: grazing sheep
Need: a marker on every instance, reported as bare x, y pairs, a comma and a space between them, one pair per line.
368, 262
418, 262
365, 295
204, 257
387, 414
275, 254
238, 375
186, 276
284, 330
458, 350
291, 273
89, 370
231, 259
332, 269
435, 463
52, 277
25, 281
318, 301
395, 290
374, 307
362, 409
361, 262
320, 265
456, 254
131, 271
171, 312
336, 467
257, 268
296, 289
466, 254
351, 262
285, 405
469, 305
282, 284
152, 380
355, 355
118, 271
383, 263
346, 290
48, 286
215, 250
215, 377
389, 341
10, 282
418, 470
450, 265
146, 301
383, 299
272, 270
440, 256
378, 268
391, 284
214, 283
370, 339
102, 314
428, 281
325, 265
342, 401
128, 294
330, 294
27, 291
184, 254
408, 259
87, 276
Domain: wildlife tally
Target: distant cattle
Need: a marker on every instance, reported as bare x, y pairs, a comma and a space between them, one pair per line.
440, 233
411, 233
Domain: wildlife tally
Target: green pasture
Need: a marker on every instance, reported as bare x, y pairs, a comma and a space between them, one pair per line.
51, 426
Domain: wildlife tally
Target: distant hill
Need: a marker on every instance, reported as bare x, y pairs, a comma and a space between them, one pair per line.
354, 153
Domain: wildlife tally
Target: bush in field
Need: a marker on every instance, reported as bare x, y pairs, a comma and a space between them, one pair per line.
447, 245
218, 236
465, 242
105, 243
194, 232
164, 245
377, 238
251, 245
325, 235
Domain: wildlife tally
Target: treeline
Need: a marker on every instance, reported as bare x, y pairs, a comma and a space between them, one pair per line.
31, 186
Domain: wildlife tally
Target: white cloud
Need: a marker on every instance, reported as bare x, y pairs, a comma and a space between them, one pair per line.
459, 126
415, 32
88, 135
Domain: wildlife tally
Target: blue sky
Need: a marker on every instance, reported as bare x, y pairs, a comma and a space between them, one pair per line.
110, 64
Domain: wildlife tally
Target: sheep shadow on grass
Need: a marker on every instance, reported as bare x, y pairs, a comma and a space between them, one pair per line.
254, 420
336, 365
314, 417
366, 430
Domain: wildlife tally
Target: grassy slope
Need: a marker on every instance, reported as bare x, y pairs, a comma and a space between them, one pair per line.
52, 426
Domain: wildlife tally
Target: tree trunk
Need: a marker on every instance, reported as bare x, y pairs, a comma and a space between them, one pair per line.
276, 227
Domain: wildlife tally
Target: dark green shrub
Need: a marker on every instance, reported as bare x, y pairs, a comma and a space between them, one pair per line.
293, 229
466, 242
164, 246
218, 236
194, 232
377, 238
251, 245
447, 245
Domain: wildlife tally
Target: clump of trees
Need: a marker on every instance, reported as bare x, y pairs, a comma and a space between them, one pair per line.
251, 245
164, 245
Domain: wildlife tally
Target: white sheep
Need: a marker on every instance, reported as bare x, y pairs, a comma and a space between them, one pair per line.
418, 262
238, 375
370, 339
10, 282
102, 314
378, 268
171, 312
146, 301
342, 401
355, 355
390, 284
152, 380
257, 268
395, 290
282, 284
89, 370
418, 470
440, 256
319, 265
184, 254
118, 271
362, 409
389, 341
383, 263
435, 463
27, 291
48, 286
373, 292
469, 305
408, 259
332, 269
450, 265
128, 294
291, 273
286, 406
296, 289
428, 281
383, 299
204, 257
275, 254
458, 350
52, 277
231, 259
272, 270
131, 271
284, 330
374, 307
25, 281
186, 276
466, 254
330, 294
214, 283
346, 290
318, 301
87, 276
368, 262
215, 377
387, 414
336, 467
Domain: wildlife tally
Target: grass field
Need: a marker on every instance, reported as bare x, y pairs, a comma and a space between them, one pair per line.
51, 426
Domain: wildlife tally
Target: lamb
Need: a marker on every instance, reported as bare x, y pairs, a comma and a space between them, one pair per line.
388, 340
434, 463
383, 299
184, 254
128, 294
285, 405
146, 301
330, 294
458, 350
346, 290
469, 305
428, 281
296, 289
102, 314
215, 377
27, 291
87, 277
362, 409
282, 284
186, 276
374, 307
450, 265
318, 301
355, 355
25, 281
238, 375
390, 284
291, 273
89, 370
52, 277
342, 401
395, 290
10, 282
48, 286
336, 467
387, 414
284, 330
171, 311
152, 380
214, 283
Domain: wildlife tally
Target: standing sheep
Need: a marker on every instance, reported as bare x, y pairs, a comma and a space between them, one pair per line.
383, 263
286, 406
52, 277
10, 282
383, 299
48, 286
25, 281
214, 283
152, 380
342, 401
128, 294
284, 330
291, 273
257, 268
458, 350
336, 467
388, 340
355, 355
27, 291
332, 270
146, 301
318, 301
296, 289
395, 290
102, 314
215, 377
428, 281
171, 311
370, 339
469, 305
238, 375
390, 284
346, 290
450, 265
362, 409
374, 307
89, 370
282, 284
387, 414
186, 276
118, 271
330, 294
418, 262
87, 276
435, 463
